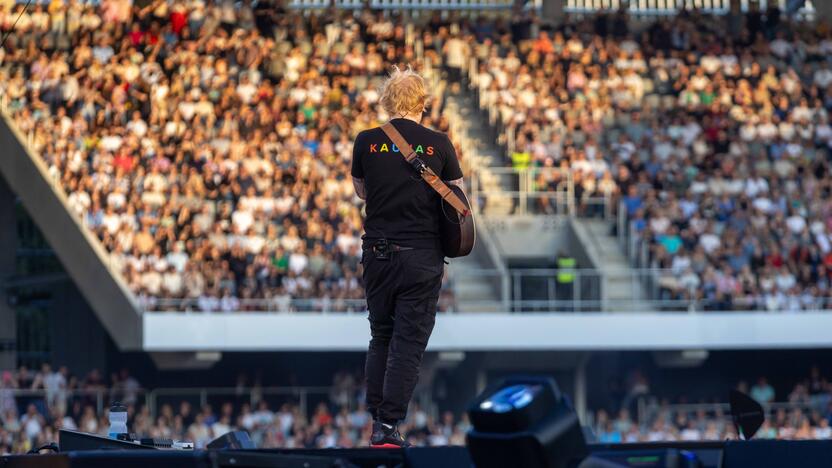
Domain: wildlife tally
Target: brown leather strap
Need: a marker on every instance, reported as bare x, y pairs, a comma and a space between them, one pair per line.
427, 175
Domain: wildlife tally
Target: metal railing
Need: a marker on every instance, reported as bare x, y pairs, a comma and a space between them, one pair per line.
668, 289
281, 304
101, 398
413, 5
586, 290
528, 290
648, 409
536, 190
629, 239
672, 7
98, 398
474, 5
306, 398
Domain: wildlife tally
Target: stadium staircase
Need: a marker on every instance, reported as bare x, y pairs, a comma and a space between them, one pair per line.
477, 137
80, 252
480, 281
622, 289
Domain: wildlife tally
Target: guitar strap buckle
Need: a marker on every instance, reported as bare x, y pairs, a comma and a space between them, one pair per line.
419, 165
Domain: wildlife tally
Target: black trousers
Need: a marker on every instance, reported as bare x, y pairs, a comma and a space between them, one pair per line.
402, 293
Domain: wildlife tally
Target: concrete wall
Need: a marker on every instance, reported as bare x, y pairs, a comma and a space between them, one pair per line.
8, 245
534, 242
823, 10
494, 332
77, 339
573, 246
528, 237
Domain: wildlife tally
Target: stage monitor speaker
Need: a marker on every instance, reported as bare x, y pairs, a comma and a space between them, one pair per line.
77, 440
748, 415
436, 457
777, 453
234, 440
525, 422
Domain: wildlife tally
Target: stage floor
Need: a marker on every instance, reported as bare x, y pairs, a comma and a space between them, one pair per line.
730, 454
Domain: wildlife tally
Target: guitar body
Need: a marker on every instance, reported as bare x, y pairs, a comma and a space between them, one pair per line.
458, 233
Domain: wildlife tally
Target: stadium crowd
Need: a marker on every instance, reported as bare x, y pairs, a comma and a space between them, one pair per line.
58, 399
207, 145
714, 133
805, 412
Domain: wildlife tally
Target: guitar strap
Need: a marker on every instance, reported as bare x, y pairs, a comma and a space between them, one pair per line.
424, 170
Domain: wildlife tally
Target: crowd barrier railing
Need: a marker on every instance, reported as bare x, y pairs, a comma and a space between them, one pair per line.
648, 411
539, 190
671, 7
46, 402
414, 5
530, 290
306, 398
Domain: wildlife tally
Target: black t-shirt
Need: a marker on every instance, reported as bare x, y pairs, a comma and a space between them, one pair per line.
401, 207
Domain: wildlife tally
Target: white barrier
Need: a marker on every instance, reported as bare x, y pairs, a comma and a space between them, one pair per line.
474, 5
495, 332
671, 7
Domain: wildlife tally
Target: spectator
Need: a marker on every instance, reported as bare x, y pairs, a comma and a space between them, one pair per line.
32, 423
217, 186
704, 136
762, 392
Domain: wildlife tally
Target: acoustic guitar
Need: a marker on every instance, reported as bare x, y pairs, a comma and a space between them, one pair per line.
457, 229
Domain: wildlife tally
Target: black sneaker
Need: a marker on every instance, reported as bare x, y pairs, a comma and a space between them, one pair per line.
386, 436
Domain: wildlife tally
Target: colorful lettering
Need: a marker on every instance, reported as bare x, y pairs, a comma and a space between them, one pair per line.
385, 148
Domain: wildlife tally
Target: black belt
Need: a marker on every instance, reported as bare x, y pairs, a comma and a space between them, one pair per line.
382, 249
390, 248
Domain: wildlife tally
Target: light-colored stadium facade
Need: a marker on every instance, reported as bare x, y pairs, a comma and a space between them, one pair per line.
615, 311
174, 331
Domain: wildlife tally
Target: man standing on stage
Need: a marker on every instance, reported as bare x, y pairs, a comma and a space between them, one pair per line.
403, 260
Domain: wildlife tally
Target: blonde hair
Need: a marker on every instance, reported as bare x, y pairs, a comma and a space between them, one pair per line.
403, 92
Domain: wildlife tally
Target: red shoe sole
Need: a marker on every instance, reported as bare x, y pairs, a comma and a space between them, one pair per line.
386, 446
